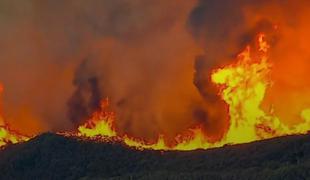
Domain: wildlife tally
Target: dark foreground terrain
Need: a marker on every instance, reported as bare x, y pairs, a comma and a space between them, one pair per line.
51, 156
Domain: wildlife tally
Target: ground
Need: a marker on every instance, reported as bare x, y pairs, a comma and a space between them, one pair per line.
51, 156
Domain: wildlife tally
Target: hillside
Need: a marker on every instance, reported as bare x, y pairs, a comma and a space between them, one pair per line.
51, 156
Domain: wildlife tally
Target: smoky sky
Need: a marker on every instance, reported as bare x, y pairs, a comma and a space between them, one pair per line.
152, 59
134, 50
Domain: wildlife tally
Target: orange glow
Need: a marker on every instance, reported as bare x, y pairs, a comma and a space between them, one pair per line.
8, 136
242, 86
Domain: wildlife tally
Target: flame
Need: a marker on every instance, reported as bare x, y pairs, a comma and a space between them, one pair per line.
242, 86
101, 123
305, 114
8, 136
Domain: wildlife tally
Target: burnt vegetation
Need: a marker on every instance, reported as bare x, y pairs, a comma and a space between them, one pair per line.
51, 156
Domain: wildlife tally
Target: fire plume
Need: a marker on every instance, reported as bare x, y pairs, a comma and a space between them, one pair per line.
242, 86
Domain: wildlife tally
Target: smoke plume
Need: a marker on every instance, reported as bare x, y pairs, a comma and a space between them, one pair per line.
152, 59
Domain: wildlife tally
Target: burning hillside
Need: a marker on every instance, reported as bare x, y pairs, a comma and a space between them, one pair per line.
154, 79
156, 89
242, 86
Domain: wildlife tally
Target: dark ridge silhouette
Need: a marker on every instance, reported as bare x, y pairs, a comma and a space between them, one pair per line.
52, 156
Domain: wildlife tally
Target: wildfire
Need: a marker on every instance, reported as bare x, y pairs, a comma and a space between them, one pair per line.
242, 86
305, 114
100, 124
8, 136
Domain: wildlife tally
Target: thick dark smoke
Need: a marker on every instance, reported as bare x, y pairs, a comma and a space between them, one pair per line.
87, 95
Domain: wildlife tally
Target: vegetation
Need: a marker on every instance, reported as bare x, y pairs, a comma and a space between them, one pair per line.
51, 156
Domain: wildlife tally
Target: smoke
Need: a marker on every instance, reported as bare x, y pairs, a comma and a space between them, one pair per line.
152, 59
86, 97
61, 57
